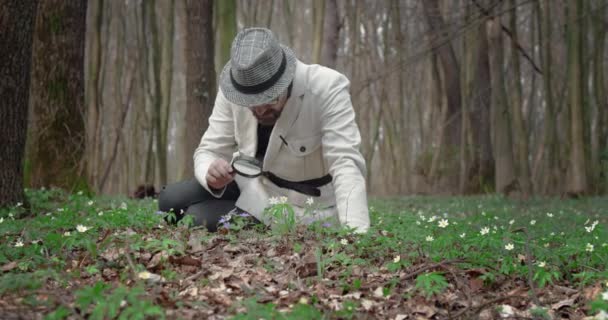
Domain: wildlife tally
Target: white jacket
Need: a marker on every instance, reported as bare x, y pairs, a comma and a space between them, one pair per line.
318, 124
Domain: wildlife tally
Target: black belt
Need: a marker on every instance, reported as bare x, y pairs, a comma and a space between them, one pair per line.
308, 187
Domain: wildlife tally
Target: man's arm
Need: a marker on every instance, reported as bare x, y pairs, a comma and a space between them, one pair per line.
341, 141
217, 142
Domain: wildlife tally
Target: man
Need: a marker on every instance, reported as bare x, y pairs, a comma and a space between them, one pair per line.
297, 120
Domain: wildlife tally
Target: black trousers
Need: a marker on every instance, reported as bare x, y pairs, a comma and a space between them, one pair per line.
190, 198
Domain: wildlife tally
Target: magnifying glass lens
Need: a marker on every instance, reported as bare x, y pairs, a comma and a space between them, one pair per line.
246, 168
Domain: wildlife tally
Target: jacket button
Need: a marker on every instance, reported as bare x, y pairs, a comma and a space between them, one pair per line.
302, 148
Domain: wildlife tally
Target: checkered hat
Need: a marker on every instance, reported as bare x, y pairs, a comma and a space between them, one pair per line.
260, 69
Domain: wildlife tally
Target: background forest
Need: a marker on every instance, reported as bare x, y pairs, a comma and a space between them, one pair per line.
452, 97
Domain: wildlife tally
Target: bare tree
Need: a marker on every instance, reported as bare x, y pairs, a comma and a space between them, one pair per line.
200, 77
17, 25
577, 171
502, 143
56, 129
331, 34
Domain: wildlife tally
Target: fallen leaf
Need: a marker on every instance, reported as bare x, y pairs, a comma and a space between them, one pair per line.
564, 303
9, 266
156, 259
185, 260
232, 248
191, 291
506, 311
401, 316
379, 293
367, 304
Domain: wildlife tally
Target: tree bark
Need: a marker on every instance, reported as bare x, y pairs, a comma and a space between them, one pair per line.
505, 181
443, 47
482, 168
226, 31
577, 182
56, 135
17, 25
200, 76
317, 36
599, 88
520, 132
331, 34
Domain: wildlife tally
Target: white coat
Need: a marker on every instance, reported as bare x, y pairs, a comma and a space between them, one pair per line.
318, 125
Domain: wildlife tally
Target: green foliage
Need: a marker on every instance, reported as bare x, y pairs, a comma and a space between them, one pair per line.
102, 302
431, 283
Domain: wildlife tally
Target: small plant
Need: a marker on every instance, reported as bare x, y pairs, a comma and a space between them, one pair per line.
101, 302
431, 283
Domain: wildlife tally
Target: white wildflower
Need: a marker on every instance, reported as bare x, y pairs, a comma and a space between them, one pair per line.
509, 246
19, 204
344, 242
123, 206
397, 259
60, 209
484, 231
283, 200
542, 264
443, 223
82, 228
90, 203
79, 193
19, 243
100, 213
10, 214
432, 219
605, 295
532, 222
1, 219
418, 222
429, 238
549, 214
589, 247
552, 234
273, 201
67, 234
512, 221
462, 235
310, 201
483, 213
546, 245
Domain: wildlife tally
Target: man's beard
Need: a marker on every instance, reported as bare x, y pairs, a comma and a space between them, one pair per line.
268, 118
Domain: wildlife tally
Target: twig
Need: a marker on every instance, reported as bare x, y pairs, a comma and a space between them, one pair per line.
484, 305
429, 267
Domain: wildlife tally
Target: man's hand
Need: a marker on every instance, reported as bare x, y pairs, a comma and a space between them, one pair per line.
220, 174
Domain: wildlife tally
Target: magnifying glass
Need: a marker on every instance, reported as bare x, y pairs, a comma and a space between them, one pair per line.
247, 166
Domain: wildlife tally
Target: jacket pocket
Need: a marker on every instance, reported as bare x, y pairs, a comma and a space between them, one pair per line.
304, 146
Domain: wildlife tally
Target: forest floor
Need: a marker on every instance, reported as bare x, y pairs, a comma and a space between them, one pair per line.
424, 258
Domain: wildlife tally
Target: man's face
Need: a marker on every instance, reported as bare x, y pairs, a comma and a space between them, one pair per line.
268, 114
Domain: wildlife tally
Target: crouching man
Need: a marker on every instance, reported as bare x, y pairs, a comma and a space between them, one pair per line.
279, 129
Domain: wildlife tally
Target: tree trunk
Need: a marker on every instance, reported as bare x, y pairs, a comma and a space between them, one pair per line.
318, 10
57, 136
502, 144
577, 178
599, 88
200, 76
331, 34
482, 171
443, 47
550, 155
17, 25
520, 132
226, 30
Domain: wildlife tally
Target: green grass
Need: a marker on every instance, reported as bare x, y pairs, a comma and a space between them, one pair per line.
85, 256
